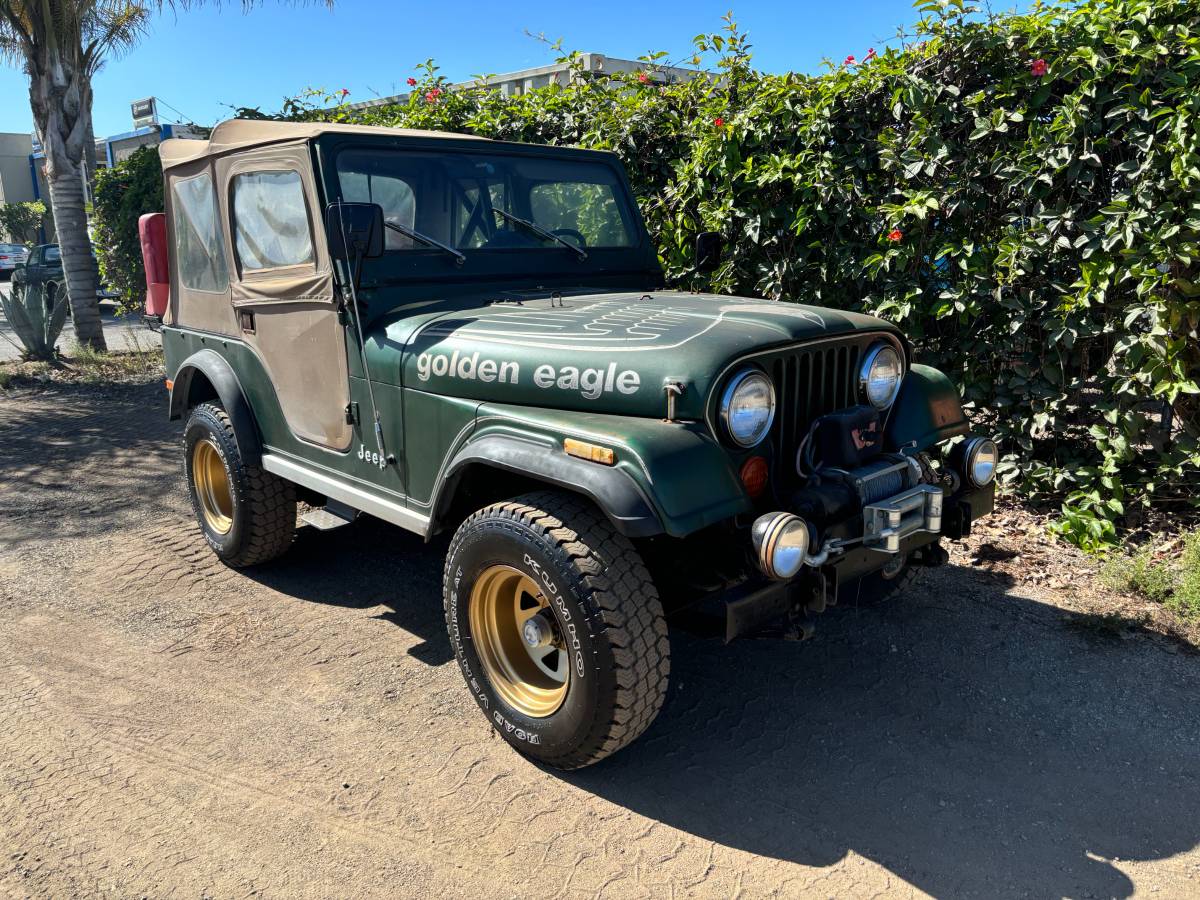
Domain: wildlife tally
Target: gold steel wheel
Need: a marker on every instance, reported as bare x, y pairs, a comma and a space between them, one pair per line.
211, 485
519, 641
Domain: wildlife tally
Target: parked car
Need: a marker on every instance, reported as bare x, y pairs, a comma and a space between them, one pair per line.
11, 256
468, 336
44, 263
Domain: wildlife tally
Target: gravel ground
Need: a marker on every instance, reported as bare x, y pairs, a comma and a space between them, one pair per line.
120, 333
171, 727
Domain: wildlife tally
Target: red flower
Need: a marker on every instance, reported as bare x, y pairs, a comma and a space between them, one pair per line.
870, 55
719, 122
437, 92
1038, 68
849, 60
344, 92
895, 234
431, 97
412, 82
642, 77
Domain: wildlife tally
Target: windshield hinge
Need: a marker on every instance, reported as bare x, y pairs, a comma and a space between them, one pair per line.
352, 413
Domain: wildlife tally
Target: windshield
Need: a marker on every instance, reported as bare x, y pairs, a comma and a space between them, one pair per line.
52, 255
476, 202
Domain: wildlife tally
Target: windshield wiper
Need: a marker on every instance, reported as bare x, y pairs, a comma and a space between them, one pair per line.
426, 240
540, 231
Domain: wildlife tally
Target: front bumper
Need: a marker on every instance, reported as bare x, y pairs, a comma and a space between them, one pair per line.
759, 601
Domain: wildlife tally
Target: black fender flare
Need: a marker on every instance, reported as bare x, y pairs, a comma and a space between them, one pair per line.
220, 375
616, 494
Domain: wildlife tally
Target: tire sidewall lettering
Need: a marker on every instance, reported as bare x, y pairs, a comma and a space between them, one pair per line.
489, 543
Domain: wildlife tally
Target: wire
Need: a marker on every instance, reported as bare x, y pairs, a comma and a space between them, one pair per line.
189, 119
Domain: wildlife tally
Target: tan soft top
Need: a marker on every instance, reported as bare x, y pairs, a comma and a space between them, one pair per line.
236, 134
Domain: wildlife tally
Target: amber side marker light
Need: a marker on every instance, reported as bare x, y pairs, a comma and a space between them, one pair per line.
170, 385
591, 452
754, 475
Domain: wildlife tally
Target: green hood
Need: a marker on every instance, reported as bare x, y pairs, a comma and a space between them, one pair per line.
604, 353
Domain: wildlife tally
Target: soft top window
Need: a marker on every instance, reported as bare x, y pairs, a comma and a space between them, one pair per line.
270, 217
198, 249
460, 199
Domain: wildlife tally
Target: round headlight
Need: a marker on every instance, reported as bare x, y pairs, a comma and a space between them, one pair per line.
748, 407
981, 456
880, 376
781, 541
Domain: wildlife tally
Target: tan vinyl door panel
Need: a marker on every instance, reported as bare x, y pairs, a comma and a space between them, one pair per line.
307, 368
296, 331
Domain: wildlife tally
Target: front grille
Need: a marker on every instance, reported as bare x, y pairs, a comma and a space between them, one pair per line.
810, 382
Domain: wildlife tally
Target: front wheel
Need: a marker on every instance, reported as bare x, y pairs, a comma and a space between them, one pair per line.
557, 628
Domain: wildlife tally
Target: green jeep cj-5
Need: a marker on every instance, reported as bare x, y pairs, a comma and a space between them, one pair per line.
459, 335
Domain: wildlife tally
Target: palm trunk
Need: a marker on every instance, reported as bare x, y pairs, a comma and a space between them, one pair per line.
79, 266
60, 95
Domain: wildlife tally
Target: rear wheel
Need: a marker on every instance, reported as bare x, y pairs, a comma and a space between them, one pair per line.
557, 628
247, 515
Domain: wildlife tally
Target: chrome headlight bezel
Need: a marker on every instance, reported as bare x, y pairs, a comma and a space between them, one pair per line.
870, 360
974, 449
744, 378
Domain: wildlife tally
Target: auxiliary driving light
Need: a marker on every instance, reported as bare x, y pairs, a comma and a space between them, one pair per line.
979, 461
781, 542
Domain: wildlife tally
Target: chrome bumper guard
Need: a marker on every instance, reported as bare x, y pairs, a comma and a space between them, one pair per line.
888, 522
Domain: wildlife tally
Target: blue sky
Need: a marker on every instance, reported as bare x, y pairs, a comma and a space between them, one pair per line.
200, 60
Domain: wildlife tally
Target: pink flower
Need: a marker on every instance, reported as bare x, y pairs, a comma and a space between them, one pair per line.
849, 60
895, 234
412, 82
870, 55
430, 97
642, 77
1038, 68
719, 122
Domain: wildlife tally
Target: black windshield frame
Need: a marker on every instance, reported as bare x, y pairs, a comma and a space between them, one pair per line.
539, 258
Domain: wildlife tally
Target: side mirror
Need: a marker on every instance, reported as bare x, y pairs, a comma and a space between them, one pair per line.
710, 247
355, 230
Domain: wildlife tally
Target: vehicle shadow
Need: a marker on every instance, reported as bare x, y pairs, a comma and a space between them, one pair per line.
366, 564
962, 736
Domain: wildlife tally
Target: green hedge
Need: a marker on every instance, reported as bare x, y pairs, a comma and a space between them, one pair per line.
1020, 193
123, 193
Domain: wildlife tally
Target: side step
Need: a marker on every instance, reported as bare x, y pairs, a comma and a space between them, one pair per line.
330, 516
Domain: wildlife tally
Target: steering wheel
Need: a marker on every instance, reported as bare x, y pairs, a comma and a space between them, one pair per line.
571, 233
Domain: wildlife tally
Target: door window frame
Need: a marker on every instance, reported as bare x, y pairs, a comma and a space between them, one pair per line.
273, 272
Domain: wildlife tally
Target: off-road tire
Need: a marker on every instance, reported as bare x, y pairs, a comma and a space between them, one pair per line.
264, 505
624, 652
875, 590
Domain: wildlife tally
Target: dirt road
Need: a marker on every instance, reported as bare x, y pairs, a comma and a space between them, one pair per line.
172, 728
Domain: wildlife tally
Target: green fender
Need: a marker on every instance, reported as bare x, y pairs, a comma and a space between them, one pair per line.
927, 411
669, 478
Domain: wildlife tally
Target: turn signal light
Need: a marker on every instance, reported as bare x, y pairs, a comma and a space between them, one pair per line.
591, 452
754, 476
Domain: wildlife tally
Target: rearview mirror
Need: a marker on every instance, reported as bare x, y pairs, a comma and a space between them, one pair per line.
355, 230
710, 247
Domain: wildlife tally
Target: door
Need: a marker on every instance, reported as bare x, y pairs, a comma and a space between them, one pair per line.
283, 289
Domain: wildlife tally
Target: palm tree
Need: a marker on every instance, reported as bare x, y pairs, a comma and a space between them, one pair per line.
62, 44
